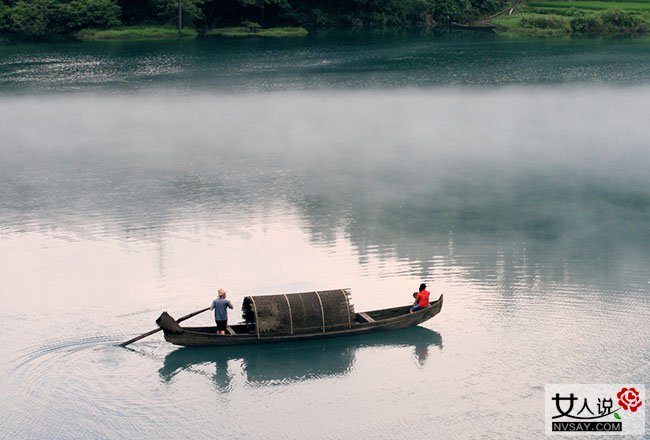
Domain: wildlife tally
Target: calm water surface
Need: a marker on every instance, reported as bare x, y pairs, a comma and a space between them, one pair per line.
510, 175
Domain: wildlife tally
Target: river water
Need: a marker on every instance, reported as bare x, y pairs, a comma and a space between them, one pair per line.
510, 175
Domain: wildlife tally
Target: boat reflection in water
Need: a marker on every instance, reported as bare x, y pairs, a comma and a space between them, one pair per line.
296, 361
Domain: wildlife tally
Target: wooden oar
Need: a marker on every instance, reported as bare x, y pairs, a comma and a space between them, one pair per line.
144, 335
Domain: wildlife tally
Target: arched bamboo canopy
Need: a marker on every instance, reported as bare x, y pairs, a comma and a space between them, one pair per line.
305, 312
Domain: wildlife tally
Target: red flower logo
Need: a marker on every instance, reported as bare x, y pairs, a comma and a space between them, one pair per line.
629, 398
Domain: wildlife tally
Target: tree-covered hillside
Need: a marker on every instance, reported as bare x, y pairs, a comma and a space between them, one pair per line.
47, 18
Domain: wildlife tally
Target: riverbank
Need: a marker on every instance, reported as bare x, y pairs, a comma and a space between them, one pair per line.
566, 18
241, 31
133, 33
547, 18
51, 19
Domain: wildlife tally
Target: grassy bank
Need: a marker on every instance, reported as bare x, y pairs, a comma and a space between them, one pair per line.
278, 32
134, 33
170, 32
557, 18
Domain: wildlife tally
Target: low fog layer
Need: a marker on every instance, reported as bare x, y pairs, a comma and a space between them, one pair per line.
549, 165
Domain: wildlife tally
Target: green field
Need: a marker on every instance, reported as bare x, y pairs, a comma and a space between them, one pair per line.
557, 18
594, 6
134, 33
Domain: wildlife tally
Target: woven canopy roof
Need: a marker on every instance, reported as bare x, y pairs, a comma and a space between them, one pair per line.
306, 312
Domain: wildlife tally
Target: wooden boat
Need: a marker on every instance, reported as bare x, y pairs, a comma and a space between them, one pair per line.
482, 25
297, 317
473, 27
273, 363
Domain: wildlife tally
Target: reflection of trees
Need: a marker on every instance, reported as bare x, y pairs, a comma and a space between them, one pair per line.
518, 227
298, 361
132, 196
524, 227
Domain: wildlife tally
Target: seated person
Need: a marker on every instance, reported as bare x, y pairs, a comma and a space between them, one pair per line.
422, 298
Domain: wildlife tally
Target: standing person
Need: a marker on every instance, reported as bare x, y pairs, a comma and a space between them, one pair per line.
422, 298
220, 307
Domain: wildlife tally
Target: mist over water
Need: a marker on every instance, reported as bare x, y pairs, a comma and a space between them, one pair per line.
528, 206
553, 164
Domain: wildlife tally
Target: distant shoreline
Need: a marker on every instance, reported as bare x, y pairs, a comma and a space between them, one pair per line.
142, 33
543, 18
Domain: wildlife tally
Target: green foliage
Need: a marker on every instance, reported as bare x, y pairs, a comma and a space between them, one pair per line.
589, 25
282, 4
543, 21
594, 5
41, 18
543, 25
281, 32
168, 10
99, 14
138, 12
389, 13
35, 18
251, 26
321, 18
487, 6
5, 23
569, 12
612, 21
621, 19
44, 18
448, 11
577, 17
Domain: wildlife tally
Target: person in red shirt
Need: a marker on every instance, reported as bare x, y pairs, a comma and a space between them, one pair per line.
422, 298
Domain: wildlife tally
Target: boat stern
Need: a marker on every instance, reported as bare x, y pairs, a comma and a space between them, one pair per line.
168, 324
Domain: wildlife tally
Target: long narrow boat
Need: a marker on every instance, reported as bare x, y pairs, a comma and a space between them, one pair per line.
268, 364
480, 27
297, 317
